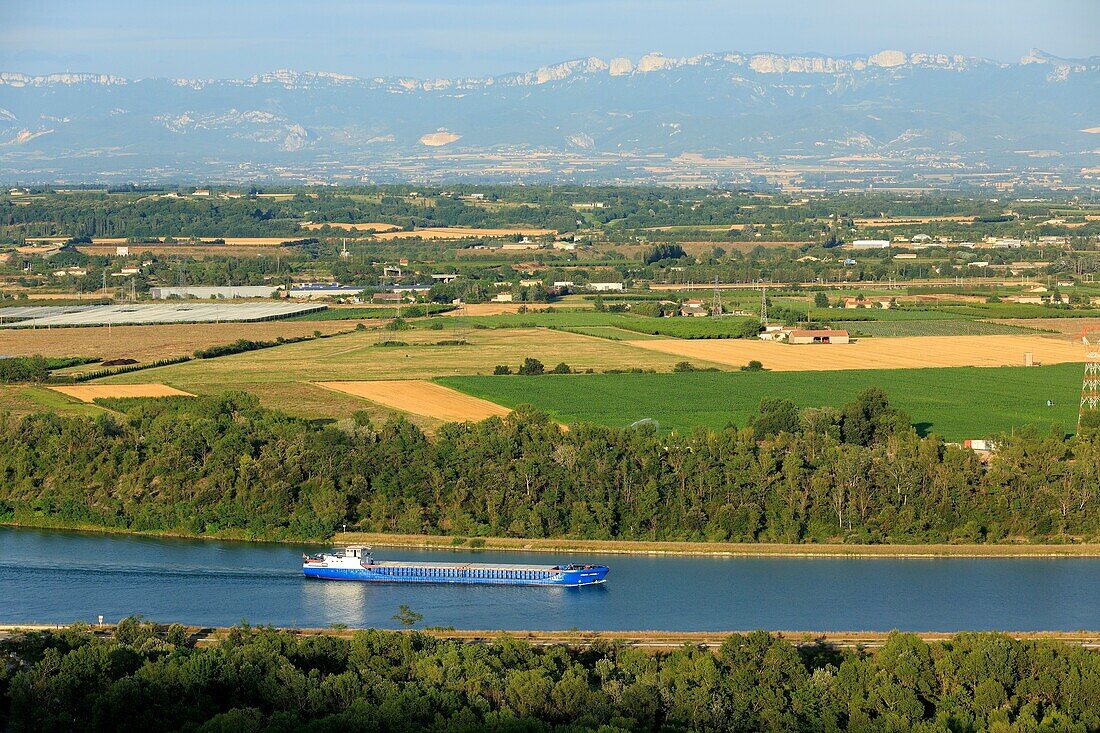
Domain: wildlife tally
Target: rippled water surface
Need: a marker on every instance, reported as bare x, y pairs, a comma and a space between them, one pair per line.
60, 577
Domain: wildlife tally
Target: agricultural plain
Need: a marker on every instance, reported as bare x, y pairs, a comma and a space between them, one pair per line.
285, 377
421, 398
463, 233
92, 392
955, 403
149, 343
894, 353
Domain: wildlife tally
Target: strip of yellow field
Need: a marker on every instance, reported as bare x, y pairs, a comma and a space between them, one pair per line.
463, 233
377, 226
421, 398
642, 547
894, 353
90, 392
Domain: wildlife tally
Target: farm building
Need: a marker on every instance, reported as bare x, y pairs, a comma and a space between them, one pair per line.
325, 290
866, 303
605, 287
818, 336
871, 244
693, 308
386, 298
773, 332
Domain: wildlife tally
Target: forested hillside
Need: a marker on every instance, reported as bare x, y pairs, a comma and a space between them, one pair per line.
147, 679
223, 465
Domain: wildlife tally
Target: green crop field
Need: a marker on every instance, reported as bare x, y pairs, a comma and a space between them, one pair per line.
952, 327
883, 314
611, 332
689, 328
957, 403
1019, 310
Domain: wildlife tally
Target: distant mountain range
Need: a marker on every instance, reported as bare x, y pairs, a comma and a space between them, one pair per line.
726, 117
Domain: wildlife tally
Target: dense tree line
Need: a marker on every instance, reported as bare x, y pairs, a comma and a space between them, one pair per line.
150, 679
860, 474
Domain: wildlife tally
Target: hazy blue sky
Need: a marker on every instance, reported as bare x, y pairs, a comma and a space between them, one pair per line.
433, 38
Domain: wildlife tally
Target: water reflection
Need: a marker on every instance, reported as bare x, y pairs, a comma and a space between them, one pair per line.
59, 577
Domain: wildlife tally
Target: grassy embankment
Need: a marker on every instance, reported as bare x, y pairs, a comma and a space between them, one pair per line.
739, 549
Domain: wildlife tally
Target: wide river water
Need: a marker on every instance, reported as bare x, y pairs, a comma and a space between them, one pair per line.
62, 577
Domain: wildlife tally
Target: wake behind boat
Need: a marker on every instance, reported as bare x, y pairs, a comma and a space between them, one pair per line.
358, 563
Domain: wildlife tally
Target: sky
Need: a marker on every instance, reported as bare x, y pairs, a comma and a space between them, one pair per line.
462, 38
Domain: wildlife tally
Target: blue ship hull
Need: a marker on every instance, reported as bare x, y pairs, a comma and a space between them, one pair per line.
471, 575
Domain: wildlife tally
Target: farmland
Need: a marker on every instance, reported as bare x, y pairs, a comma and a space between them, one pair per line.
462, 233
92, 392
942, 327
148, 343
421, 398
955, 403
18, 400
892, 353
280, 376
683, 328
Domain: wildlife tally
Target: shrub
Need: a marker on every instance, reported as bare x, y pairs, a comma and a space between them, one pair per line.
502, 369
561, 368
531, 367
753, 366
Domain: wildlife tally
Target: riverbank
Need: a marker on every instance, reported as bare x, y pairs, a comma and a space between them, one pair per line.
604, 547
229, 536
649, 640
717, 549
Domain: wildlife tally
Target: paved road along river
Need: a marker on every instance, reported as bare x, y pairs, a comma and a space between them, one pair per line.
61, 577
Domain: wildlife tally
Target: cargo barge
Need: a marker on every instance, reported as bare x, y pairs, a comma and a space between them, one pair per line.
358, 563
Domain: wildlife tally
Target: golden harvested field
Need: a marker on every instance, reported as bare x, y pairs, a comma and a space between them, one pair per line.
894, 221
463, 232
307, 400
187, 250
421, 398
893, 353
90, 392
377, 226
149, 343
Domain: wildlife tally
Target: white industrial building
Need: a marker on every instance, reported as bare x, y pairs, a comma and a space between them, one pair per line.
204, 292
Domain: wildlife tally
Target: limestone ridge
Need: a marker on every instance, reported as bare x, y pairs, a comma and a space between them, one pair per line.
917, 110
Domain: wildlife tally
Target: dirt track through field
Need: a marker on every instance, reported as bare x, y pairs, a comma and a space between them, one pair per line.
421, 398
89, 392
893, 353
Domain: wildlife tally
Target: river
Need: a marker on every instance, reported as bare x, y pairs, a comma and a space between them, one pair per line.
63, 577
